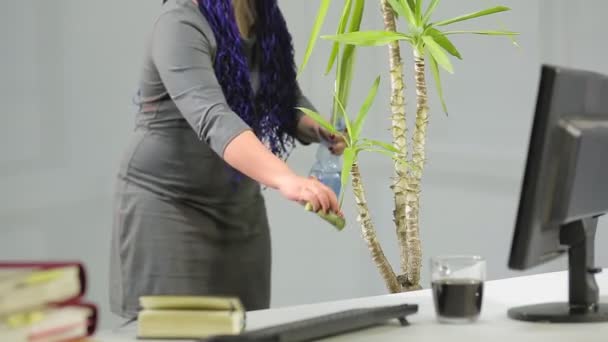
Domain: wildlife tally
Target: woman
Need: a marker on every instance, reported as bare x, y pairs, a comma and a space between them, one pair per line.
218, 84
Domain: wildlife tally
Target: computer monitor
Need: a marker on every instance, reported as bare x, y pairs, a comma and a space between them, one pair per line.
565, 190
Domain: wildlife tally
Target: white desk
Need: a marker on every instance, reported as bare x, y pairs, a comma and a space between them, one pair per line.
494, 325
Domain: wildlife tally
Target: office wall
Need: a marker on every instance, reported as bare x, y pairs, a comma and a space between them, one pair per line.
69, 69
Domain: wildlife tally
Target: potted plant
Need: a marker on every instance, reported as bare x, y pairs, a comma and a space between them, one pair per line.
431, 46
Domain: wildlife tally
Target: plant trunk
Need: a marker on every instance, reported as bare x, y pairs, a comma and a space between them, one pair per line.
414, 182
369, 233
399, 131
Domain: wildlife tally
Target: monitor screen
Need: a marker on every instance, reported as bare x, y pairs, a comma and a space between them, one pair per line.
563, 94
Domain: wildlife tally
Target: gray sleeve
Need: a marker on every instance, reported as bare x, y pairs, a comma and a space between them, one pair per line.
181, 53
302, 102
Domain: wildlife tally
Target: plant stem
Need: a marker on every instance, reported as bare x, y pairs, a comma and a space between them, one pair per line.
414, 182
369, 233
399, 131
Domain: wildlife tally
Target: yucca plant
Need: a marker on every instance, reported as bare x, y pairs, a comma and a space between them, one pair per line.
430, 43
350, 169
342, 57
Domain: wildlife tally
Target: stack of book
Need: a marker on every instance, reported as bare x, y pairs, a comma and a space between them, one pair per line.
44, 302
181, 317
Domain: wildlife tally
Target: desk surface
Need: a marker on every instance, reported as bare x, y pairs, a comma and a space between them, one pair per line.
494, 324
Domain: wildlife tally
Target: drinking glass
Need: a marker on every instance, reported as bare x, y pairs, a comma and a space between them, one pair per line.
457, 283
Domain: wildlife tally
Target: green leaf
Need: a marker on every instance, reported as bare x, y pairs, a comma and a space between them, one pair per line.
418, 10
341, 29
346, 121
321, 14
465, 17
501, 24
344, 78
358, 126
484, 32
429, 11
444, 42
346, 64
355, 22
368, 38
350, 155
392, 155
437, 53
378, 150
411, 4
318, 118
404, 10
437, 77
385, 146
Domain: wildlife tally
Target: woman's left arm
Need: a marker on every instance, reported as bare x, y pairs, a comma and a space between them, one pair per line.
307, 131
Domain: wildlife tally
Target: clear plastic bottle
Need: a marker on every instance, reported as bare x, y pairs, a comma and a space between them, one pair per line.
328, 167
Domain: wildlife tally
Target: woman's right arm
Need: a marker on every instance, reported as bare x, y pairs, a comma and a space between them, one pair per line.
247, 154
180, 51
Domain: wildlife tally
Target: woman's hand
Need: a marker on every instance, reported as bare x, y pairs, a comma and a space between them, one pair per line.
336, 142
309, 190
309, 131
247, 154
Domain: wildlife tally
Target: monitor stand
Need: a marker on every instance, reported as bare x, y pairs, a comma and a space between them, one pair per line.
583, 305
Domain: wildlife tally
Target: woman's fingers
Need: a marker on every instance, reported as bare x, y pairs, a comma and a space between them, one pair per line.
314, 188
338, 148
333, 203
325, 135
328, 198
308, 196
323, 197
319, 196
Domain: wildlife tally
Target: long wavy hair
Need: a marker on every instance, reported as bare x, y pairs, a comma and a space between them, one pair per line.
270, 112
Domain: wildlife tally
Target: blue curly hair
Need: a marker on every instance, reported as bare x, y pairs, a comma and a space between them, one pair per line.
270, 112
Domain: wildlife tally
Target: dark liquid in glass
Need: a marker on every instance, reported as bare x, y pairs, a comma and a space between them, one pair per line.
458, 298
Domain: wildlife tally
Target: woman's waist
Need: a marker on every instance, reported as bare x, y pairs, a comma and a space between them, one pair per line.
175, 161
162, 114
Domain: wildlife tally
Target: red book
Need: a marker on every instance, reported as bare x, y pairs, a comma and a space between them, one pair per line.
32, 266
64, 323
44, 286
93, 318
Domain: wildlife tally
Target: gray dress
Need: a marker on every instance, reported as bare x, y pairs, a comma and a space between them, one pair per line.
180, 226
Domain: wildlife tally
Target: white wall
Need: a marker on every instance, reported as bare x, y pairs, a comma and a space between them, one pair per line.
69, 69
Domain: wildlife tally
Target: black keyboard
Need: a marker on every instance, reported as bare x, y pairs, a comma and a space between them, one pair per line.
323, 326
